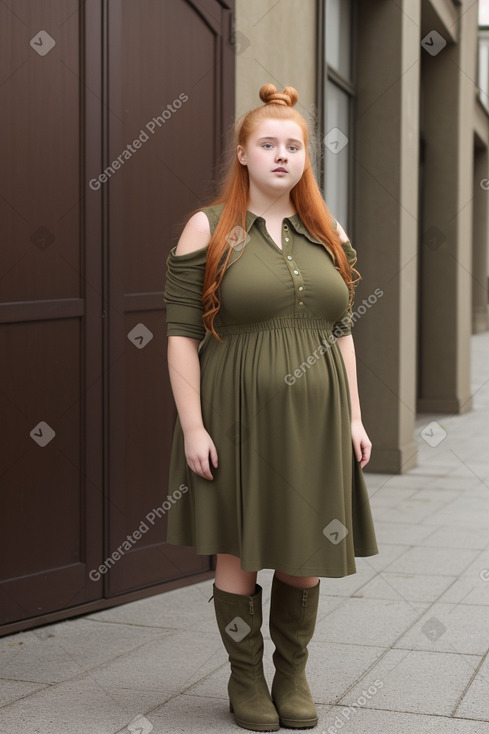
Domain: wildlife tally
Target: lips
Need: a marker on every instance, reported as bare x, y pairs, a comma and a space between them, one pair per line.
279, 170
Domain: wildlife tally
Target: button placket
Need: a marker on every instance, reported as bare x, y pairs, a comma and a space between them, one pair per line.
297, 278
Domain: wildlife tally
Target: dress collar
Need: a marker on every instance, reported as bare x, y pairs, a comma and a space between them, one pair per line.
294, 220
296, 223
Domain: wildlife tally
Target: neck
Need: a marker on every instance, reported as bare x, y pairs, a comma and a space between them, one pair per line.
269, 205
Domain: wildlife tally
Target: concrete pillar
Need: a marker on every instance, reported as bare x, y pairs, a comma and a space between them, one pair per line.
446, 247
385, 226
480, 315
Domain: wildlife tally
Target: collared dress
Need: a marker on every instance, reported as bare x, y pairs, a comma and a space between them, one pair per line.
288, 493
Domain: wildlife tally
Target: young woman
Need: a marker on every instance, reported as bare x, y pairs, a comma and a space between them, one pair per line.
269, 445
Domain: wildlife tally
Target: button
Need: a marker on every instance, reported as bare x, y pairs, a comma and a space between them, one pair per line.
300, 303
286, 227
286, 239
296, 272
301, 287
289, 257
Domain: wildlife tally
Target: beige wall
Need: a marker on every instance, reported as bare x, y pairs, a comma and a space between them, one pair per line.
281, 50
385, 219
278, 44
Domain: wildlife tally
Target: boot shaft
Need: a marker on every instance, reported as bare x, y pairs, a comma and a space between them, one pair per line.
293, 614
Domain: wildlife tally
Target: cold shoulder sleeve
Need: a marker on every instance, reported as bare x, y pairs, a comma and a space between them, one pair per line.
344, 324
183, 293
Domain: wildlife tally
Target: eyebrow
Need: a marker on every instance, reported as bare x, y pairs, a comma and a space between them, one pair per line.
269, 137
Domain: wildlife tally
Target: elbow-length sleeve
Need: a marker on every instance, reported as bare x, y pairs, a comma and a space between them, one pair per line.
343, 325
183, 293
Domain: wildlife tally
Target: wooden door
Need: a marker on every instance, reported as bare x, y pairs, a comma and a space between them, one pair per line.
87, 217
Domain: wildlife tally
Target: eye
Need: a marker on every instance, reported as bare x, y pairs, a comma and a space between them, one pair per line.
265, 144
293, 147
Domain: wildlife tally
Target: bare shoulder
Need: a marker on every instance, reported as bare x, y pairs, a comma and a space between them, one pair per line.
343, 236
196, 234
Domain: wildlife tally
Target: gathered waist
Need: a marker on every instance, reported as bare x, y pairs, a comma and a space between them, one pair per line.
278, 322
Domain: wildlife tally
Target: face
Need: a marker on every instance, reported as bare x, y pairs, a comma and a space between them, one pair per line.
275, 155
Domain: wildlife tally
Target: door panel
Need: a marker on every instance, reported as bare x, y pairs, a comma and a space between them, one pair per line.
50, 346
165, 98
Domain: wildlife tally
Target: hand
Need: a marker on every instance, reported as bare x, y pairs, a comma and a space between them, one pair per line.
198, 446
362, 445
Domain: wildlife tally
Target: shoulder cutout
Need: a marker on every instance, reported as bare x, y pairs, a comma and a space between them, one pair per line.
342, 233
195, 236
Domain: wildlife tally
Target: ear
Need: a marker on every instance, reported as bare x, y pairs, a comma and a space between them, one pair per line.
241, 155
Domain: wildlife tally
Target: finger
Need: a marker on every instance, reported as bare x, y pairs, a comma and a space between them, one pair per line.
214, 456
206, 472
358, 450
196, 468
367, 450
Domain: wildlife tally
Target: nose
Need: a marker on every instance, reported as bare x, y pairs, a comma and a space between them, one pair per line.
281, 153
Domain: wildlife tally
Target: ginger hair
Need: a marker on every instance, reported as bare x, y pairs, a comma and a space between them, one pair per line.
234, 191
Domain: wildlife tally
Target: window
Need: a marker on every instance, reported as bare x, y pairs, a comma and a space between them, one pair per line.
483, 66
335, 100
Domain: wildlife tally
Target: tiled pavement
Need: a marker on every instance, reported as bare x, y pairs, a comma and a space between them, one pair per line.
400, 647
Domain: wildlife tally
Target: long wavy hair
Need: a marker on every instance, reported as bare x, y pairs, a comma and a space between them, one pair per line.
234, 192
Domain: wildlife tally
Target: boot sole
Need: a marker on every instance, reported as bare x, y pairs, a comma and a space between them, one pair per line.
294, 724
252, 726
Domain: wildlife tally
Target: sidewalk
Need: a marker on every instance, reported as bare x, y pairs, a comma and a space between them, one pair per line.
400, 647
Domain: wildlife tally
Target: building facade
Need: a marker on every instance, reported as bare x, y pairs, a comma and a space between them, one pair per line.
403, 122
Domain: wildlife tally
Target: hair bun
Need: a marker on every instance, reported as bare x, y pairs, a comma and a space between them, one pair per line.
269, 95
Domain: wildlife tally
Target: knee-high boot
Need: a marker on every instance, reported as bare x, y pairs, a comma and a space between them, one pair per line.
293, 615
239, 619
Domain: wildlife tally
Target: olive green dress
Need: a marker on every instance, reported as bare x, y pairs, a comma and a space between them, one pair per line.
288, 493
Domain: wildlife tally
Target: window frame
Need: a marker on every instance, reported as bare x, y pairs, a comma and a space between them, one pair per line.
325, 73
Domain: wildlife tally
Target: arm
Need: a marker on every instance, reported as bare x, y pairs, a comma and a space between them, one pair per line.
361, 442
184, 368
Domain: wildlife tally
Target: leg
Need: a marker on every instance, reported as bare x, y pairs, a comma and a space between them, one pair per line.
298, 582
293, 611
230, 577
238, 608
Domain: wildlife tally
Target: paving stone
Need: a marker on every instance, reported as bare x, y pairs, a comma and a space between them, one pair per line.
402, 533
475, 703
348, 585
457, 537
376, 622
410, 586
467, 590
413, 511
421, 682
168, 666
436, 561
69, 648
459, 628
386, 555
12, 690
78, 706
371, 721
390, 496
